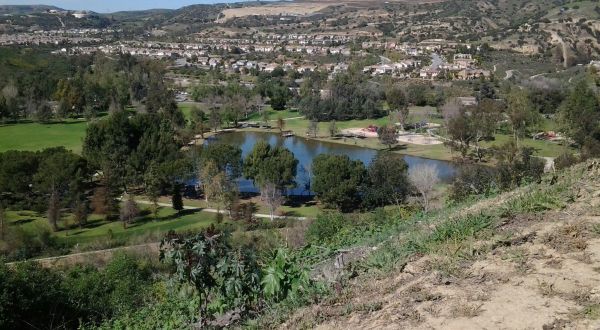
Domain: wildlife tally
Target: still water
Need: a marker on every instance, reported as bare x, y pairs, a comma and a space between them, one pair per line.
305, 150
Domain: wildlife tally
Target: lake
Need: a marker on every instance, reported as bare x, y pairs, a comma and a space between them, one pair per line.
305, 150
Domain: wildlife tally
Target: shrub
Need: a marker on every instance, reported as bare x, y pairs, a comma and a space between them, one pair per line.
565, 160
473, 180
325, 227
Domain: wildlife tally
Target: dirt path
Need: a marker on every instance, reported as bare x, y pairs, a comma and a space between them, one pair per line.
96, 257
562, 43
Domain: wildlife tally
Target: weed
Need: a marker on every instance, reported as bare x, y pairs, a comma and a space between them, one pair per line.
536, 201
591, 312
568, 238
518, 256
546, 289
595, 229
369, 307
466, 310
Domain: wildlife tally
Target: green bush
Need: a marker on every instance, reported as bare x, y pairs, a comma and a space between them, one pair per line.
325, 227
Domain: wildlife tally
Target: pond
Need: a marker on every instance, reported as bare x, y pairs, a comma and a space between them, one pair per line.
305, 150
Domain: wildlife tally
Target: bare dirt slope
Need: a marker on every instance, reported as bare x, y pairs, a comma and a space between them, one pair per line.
539, 270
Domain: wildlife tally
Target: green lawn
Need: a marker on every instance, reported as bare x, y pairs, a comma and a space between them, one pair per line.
98, 229
543, 148
36, 136
274, 114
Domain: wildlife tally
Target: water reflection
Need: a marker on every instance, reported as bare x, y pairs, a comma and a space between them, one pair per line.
306, 150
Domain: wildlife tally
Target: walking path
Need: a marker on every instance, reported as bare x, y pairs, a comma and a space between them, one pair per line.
258, 215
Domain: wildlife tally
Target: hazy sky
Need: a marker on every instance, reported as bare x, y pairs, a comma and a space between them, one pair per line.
104, 6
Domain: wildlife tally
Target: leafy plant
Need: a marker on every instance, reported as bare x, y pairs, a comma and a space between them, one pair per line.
283, 277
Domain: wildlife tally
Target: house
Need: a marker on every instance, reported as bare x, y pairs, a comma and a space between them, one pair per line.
270, 67
468, 74
307, 68
214, 62
464, 60
203, 60
467, 100
429, 73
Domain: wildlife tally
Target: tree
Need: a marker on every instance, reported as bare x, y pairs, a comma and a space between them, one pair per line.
257, 103
225, 157
386, 181
424, 177
272, 197
521, 113
43, 113
271, 169
154, 184
54, 210
516, 165
388, 135
215, 119
313, 129
59, 170
333, 130
484, 119
198, 120
129, 211
336, 180
580, 118
398, 104
80, 213
280, 124
265, 117
176, 198
266, 164
461, 131
2, 222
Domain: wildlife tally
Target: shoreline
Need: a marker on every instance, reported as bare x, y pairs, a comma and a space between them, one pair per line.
369, 145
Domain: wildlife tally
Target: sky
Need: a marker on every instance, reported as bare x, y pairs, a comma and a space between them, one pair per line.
107, 6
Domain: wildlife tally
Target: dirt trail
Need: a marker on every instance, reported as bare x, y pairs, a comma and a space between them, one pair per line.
98, 256
544, 272
562, 43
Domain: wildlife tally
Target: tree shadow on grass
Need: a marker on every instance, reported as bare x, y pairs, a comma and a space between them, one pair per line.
398, 147
300, 201
21, 222
144, 220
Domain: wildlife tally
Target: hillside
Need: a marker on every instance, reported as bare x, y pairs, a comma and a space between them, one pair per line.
525, 259
25, 9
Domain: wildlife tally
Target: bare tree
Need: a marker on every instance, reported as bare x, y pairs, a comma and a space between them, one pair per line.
257, 103
54, 210
207, 175
451, 109
280, 124
129, 211
272, 196
333, 130
80, 213
2, 222
388, 135
424, 177
265, 117
313, 129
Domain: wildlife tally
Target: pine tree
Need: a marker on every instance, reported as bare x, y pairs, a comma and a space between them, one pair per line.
177, 200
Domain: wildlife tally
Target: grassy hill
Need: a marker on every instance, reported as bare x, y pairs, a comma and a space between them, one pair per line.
25, 9
523, 259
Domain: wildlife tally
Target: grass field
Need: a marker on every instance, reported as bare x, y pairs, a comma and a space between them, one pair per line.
99, 229
301, 207
70, 134
35, 136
